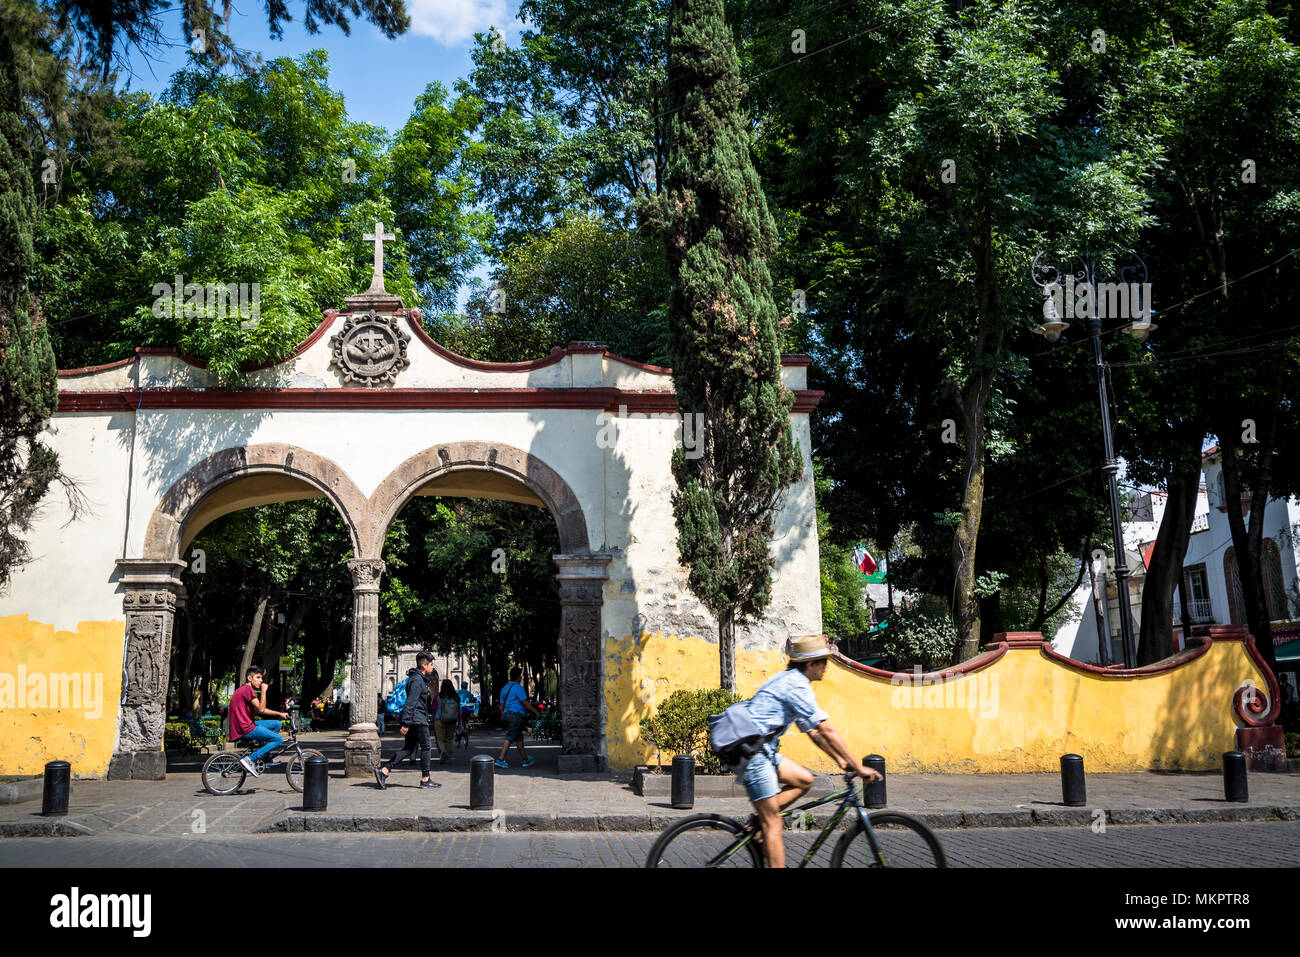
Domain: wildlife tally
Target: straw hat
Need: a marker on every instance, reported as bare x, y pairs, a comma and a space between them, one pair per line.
808, 648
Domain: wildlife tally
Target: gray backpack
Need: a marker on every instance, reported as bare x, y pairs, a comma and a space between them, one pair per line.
734, 736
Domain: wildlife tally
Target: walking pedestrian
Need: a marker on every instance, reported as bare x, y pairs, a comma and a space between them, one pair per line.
448, 722
381, 713
415, 723
515, 708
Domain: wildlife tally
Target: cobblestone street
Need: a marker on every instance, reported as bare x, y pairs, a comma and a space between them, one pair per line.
1266, 844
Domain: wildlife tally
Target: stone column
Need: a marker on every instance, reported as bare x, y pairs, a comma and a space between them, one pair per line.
361, 750
150, 590
582, 661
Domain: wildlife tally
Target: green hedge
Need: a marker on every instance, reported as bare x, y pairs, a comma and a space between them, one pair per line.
176, 734
681, 726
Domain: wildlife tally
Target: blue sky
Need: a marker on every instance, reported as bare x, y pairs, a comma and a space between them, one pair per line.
379, 78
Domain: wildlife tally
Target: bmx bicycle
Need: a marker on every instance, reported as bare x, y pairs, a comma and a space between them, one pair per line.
224, 774
878, 839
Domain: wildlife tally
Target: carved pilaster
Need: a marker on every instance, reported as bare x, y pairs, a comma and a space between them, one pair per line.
150, 591
361, 750
582, 681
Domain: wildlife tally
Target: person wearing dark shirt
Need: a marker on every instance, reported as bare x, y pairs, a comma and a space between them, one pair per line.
247, 701
415, 723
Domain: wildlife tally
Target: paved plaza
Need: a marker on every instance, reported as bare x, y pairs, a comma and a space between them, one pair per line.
541, 800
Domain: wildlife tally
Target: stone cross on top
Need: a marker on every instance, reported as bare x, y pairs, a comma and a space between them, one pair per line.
378, 237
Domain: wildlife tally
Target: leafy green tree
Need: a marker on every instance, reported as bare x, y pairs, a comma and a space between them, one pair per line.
28, 387
723, 328
1226, 92
569, 115
945, 149
257, 179
140, 24
587, 278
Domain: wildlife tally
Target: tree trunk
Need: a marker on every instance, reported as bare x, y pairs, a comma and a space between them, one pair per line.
1156, 638
727, 650
1247, 542
965, 605
254, 631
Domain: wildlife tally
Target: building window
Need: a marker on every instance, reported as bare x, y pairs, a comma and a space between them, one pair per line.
1196, 588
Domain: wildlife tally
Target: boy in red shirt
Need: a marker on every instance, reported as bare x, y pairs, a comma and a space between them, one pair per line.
250, 700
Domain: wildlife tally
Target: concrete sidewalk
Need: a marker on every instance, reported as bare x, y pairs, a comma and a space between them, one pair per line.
538, 799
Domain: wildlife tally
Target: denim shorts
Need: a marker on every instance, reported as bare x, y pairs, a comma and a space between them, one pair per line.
515, 725
759, 775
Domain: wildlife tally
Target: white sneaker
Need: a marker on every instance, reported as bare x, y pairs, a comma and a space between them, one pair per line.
250, 767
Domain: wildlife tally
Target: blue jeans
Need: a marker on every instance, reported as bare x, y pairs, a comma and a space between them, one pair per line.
379, 721
263, 731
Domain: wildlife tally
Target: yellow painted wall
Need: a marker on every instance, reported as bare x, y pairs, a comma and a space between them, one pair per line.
1019, 714
32, 735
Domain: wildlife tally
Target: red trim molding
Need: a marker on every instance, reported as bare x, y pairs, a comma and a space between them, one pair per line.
1248, 707
90, 370
417, 328
607, 399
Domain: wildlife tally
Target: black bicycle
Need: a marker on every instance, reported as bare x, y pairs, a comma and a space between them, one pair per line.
878, 839
224, 773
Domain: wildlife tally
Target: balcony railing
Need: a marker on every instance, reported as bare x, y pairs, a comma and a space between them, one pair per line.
1201, 612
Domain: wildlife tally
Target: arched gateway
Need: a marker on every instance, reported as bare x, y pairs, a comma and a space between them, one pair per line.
368, 412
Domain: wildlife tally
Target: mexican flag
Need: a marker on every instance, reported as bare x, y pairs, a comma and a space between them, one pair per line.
867, 565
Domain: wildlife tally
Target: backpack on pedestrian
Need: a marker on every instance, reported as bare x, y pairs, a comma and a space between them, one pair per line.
449, 709
397, 700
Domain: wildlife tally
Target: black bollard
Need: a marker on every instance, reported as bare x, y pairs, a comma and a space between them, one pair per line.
480, 782
683, 781
1234, 777
315, 783
873, 792
1074, 792
54, 795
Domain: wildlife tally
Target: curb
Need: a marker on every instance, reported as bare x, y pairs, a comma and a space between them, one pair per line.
297, 822
44, 827
19, 789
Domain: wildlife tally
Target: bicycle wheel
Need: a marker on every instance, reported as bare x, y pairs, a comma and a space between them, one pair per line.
703, 840
223, 774
293, 769
904, 842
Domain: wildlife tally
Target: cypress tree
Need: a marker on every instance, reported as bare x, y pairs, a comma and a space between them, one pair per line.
28, 383
723, 328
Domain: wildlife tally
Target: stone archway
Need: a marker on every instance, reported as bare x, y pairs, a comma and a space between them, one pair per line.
152, 589
580, 571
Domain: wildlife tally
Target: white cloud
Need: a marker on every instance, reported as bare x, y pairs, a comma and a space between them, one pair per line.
454, 22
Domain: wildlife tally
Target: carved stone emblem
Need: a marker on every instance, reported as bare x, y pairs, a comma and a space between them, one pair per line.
370, 349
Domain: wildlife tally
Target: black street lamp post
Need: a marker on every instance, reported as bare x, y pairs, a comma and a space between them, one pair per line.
1079, 294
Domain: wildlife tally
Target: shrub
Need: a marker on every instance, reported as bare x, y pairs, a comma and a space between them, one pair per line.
176, 734
681, 725
922, 632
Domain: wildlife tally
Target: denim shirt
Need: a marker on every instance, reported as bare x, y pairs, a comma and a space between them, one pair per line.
782, 699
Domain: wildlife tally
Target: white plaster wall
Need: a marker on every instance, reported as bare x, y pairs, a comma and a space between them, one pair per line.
647, 588
70, 578
365, 445
623, 488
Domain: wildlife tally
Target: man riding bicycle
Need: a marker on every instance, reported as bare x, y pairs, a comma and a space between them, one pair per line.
772, 782
247, 701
